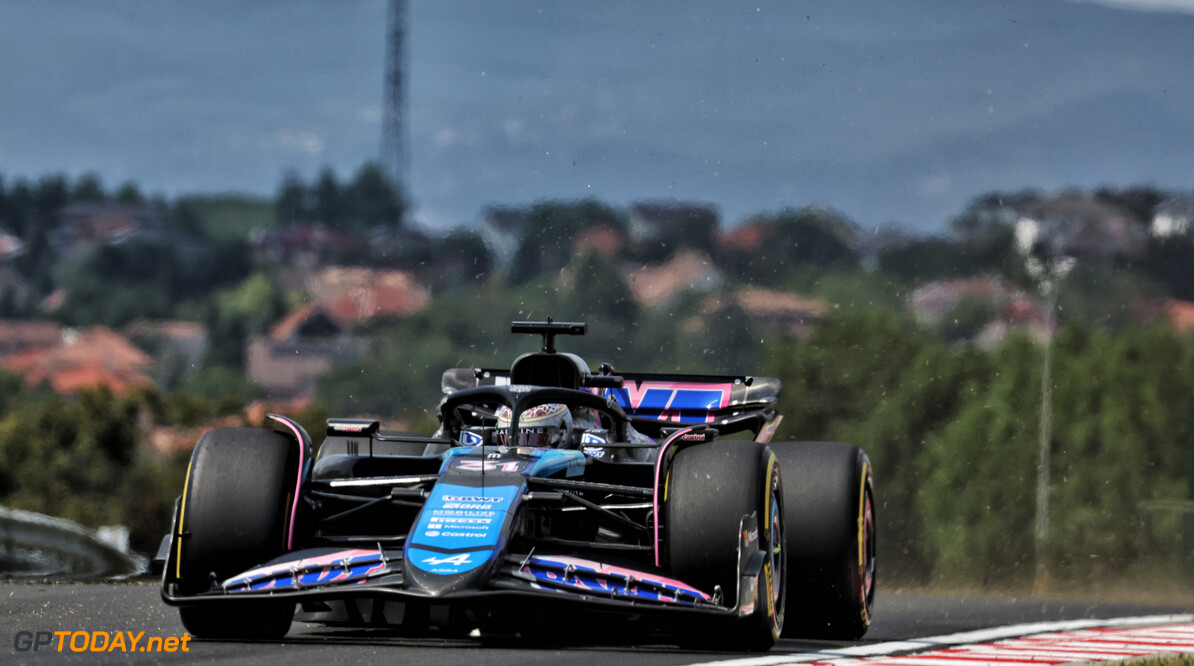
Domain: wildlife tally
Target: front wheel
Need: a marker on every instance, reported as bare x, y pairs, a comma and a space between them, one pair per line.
235, 515
708, 490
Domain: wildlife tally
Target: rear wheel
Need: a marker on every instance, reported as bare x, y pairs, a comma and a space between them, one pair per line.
235, 514
830, 498
710, 487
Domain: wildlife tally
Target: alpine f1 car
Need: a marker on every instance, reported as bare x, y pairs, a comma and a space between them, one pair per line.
548, 491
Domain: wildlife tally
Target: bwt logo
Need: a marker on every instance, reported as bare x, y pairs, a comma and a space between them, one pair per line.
98, 641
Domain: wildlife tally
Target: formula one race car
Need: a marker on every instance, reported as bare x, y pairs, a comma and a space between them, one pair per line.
611, 498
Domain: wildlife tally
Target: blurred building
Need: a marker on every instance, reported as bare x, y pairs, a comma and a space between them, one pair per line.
355, 295
651, 220
84, 226
83, 359
299, 348
1173, 217
1078, 225
501, 229
660, 284
305, 243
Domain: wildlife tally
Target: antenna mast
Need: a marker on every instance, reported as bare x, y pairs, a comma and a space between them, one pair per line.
394, 154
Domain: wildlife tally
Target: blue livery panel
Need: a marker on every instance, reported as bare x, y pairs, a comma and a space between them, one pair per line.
460, 527
670, 401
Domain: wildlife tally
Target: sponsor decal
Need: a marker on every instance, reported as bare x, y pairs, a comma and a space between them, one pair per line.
447, 564
98, 641
672, 401
591, 438
468, 438
456, 518
473, 465
462, 558
496, 499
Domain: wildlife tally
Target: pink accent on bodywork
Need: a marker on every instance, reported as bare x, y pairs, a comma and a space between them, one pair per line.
320, 561
655, 496
622, 571
329, 570
298, 482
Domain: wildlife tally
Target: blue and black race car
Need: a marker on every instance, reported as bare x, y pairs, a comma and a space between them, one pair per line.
619, 498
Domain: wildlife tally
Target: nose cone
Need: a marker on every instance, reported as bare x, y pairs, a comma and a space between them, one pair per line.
460, 533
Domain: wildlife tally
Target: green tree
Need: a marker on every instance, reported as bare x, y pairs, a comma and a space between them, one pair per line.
116, 284
545, 243
129, 193
293, 200
600, 294
1119, 441
328, 205
373, 200
67, 459
979, 475
690, 226
968, 318
931, 390
927, 259
257, 301
793, 240
849, 365
874, 379
459, 258
88, 188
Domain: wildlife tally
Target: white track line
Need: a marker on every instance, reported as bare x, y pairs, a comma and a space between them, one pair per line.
1164, 637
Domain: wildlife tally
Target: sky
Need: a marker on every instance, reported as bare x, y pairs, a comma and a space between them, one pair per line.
888, 112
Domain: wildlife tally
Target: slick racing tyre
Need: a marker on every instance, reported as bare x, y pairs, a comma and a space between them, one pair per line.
235, 514
830, 500
708, 490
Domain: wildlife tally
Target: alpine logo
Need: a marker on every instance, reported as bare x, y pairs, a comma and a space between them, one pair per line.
462, 558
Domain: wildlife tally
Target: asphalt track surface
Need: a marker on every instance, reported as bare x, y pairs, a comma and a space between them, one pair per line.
136, 607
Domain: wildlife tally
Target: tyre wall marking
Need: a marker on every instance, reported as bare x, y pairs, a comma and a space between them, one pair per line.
866, 473
182, 515
776, 616
1039, 643
862, 563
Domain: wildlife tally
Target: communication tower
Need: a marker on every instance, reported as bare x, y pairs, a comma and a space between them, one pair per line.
394, 155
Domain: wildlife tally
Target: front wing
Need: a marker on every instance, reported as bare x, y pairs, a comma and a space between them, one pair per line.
374, 580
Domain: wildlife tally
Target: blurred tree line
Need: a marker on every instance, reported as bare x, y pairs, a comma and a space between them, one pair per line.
86, 457
951, 430
951, 427
953, 435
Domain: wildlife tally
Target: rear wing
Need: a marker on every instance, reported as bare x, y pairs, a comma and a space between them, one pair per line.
729, 403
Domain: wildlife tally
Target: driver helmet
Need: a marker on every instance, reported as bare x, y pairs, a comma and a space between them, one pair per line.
547, 425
